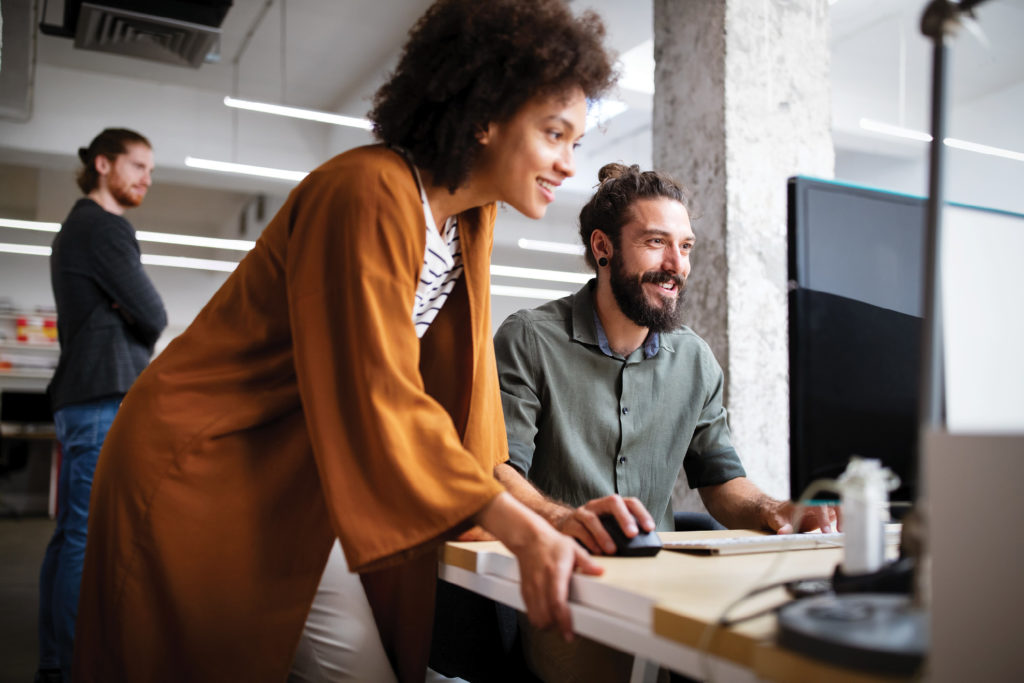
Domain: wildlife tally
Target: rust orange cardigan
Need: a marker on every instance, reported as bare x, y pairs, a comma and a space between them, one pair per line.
298, 406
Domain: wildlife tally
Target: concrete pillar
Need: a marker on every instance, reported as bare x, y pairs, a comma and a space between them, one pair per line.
741, 103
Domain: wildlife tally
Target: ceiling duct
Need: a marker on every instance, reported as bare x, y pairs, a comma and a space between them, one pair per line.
179, 32
17, 62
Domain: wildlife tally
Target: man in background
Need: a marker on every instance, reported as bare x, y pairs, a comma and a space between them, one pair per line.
109, 317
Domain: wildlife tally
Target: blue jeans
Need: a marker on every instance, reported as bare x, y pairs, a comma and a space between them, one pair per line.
81, 429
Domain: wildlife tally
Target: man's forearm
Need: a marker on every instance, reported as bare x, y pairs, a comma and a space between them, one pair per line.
739, 504
526, 493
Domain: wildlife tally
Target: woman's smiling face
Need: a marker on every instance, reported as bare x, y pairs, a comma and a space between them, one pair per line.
528, 156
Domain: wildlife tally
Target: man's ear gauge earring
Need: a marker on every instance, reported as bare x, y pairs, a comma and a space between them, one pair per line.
602, 262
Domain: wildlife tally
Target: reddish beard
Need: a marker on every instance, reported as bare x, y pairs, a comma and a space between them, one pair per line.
124, 193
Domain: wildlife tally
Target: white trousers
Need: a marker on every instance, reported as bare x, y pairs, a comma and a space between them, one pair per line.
340, 640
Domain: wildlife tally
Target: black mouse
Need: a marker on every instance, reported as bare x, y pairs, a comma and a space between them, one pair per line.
644, 544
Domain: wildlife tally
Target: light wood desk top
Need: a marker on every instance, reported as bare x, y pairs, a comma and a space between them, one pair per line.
660, 608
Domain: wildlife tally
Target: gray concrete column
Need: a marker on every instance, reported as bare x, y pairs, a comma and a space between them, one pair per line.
742, 102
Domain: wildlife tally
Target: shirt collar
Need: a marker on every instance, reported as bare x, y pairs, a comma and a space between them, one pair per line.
587, 327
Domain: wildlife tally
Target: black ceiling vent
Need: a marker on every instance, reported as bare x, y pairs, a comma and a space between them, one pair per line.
179, 32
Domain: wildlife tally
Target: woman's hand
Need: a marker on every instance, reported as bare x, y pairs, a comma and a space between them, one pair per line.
546, 558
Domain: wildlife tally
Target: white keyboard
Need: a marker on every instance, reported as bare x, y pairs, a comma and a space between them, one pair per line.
768, 543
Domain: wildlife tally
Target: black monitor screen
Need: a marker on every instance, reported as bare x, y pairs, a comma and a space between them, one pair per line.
856, 273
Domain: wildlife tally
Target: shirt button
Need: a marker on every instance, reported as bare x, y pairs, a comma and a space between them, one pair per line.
622, 460
625, 411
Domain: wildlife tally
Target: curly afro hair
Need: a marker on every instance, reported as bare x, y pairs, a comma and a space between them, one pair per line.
619, 186
469, 63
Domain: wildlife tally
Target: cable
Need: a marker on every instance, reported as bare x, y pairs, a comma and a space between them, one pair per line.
758, 585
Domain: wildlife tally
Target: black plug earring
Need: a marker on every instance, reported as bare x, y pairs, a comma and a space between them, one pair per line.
602, 262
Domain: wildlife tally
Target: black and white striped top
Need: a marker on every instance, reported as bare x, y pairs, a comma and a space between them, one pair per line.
442, 266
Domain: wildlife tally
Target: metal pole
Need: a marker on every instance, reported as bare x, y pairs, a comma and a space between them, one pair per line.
937, 20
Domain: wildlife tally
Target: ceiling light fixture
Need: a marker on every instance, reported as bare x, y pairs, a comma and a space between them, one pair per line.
895, 131
148, 259
244, 169
539, 274
143, 236
297, 113
194, 240
984, 149
920, 136
40, 226
528, 292
552, 247
186, 262
24, 249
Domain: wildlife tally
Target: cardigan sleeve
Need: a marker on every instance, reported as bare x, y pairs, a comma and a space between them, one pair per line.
393, 467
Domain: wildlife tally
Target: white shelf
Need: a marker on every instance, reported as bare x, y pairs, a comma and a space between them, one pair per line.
29, 346
14, 315
27, 373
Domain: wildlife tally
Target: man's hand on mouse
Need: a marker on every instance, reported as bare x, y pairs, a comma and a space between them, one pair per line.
583, 523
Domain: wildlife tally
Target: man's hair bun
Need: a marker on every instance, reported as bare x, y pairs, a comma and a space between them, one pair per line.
614, 170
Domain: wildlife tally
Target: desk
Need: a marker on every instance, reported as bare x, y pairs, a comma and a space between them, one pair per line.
659, 608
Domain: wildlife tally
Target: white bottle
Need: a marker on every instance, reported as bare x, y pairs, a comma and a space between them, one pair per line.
864, 494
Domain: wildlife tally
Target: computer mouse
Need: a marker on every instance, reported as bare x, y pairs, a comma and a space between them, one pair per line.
644, 544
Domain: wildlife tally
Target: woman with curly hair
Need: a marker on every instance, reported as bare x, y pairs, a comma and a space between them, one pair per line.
342, 384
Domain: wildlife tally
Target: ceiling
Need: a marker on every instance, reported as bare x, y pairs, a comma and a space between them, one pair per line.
333, 54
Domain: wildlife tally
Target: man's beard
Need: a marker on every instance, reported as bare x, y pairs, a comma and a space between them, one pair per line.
629, 294
122, 192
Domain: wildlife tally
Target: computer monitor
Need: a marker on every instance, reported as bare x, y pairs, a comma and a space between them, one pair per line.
856, 272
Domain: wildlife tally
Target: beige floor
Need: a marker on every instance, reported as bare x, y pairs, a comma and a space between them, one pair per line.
22, 542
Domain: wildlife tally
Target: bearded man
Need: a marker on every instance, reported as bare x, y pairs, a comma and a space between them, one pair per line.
607, 397
109, 317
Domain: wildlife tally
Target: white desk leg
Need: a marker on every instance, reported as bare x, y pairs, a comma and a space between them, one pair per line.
644, 671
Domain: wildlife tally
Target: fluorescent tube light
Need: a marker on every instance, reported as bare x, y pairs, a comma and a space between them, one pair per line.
920, 136
539, 274
186, 262
143, 236
148, 259
29, 225
553, 247
245, 169
297, 113
24, 249
984, 149
895, 131
528, 292
194, 240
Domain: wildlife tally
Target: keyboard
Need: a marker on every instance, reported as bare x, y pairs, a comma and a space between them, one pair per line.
767, 543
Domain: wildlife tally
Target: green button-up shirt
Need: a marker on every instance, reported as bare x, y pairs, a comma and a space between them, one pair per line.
583, 422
